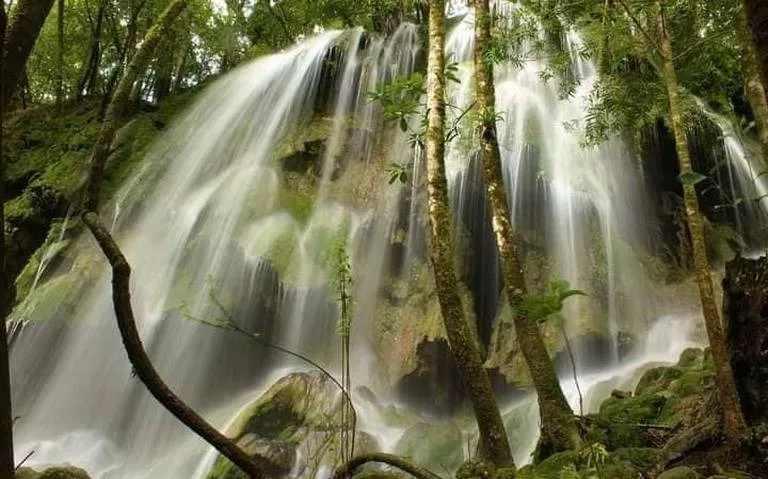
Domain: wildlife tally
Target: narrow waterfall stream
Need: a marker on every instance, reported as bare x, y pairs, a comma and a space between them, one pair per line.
212, 219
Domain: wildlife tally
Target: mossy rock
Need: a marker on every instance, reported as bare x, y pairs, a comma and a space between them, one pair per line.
475, 470
691, 357
656, 379
298, 411
621, 417
679, 473
60, 472
436, 446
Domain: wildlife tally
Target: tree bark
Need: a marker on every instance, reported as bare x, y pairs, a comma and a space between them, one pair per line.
745, 317
757, 16
559, 429
60, 58
733, 420
120, 100
348, 469
255, 467
6, 412
755, 88
464, 348
91, 71
22, 30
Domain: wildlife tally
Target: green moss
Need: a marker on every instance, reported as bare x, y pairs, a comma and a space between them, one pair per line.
26, 473
68, 472
622, 417
657, 379
679, 473
297, 204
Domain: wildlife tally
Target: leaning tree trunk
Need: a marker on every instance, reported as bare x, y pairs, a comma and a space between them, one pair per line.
754, 87
757, 15
23, 28
559, 429
60, 54
6, 413
733, 420
464, 348
91, 71
745, 314
120, 100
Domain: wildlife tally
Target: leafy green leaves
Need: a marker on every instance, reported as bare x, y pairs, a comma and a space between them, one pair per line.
691, 178
398, 172
540, 308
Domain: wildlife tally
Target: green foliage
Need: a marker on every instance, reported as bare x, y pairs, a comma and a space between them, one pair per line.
398, 172
539, 308
341, 278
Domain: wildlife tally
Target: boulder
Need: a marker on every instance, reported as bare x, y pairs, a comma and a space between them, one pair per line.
59, 472
438, 446
301, 411
679, 473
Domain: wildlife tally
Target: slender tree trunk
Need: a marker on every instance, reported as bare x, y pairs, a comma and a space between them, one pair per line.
22, 30
757, 16
178, 71
559, 430
755, 88
60, 66
91, 71
120, 100
6, 412
463, 345
734, 425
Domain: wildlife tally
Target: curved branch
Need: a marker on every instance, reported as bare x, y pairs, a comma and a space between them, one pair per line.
389, 459
231, 325
255, 467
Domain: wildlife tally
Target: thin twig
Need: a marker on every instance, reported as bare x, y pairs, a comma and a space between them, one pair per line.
21, 463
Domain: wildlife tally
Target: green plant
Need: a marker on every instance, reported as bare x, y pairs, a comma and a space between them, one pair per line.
547, 308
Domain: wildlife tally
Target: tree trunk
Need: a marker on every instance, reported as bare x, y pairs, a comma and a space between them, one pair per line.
91, 72
745, 317
464, 348
733, 421
755, 88
757, 16
559, 430
6, 412
120, 100
181, 64
60, 60
22, 30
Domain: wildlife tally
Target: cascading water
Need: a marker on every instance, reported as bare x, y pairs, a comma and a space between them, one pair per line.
224, 224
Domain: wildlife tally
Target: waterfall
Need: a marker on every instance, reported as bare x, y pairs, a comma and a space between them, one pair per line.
232, 215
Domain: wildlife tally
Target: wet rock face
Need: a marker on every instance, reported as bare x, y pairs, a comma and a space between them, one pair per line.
307, 160
745, 316
434, 384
